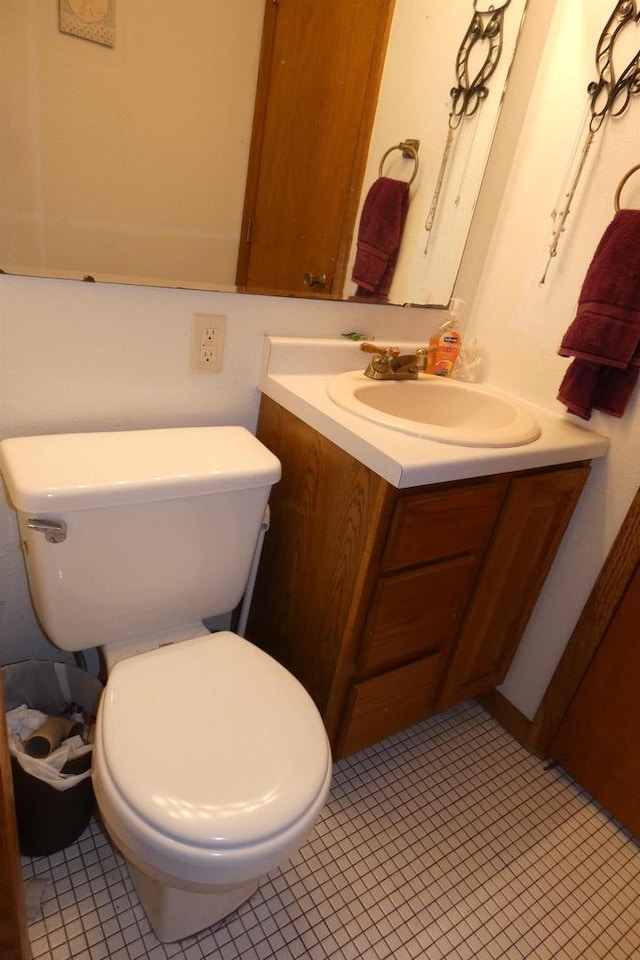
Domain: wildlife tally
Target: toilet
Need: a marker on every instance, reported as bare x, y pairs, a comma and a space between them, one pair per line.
211, 764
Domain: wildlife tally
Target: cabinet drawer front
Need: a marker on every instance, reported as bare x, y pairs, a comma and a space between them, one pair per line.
535, 516
382, 706
415, 612
443, 523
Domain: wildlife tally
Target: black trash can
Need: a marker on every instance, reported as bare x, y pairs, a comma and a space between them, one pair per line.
48, 818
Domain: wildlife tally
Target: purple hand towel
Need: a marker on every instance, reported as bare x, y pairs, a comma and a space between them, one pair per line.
605, 334
379, 236
615, 391
579, 387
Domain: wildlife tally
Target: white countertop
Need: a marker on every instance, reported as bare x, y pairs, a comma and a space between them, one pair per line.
295, 373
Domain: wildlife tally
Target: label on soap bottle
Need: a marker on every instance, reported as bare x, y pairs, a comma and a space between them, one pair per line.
448, 350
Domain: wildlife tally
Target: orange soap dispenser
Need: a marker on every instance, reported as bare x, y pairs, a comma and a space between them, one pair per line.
449, 342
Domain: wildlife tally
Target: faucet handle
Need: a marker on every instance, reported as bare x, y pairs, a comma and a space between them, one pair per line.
383, 351
425, 358
425, 351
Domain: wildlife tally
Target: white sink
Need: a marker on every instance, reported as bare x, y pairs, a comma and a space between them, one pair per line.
436, 408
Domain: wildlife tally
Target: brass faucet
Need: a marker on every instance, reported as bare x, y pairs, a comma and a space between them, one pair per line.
388, 364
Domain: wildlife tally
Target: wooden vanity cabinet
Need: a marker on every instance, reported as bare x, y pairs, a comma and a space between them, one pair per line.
389, 605
534, 517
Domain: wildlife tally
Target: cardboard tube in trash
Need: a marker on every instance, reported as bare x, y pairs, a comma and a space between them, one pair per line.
50, 735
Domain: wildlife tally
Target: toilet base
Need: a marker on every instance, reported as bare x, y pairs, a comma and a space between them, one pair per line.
175, 913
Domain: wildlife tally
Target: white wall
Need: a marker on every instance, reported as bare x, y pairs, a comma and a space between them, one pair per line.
83, 356
521, 321
415, 103
90, 356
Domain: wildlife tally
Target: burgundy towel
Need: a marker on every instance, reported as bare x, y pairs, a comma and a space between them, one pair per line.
615, 391
605, 334
588, 386
579, 387
379, 236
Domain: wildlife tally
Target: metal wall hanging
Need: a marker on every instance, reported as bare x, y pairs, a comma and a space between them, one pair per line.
609, 97
487, 28
627, 176
409, 150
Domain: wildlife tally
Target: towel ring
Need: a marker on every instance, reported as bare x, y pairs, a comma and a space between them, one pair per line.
627, 175
409, 149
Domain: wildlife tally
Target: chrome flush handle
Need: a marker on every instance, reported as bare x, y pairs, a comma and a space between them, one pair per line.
55, 531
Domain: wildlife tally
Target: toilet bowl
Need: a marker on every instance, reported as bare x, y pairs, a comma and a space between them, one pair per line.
208, 794
211, 763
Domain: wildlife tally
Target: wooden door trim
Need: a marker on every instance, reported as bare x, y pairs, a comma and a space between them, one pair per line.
609, 589
14, 938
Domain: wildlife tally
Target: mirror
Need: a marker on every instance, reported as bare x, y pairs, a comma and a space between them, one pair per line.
128, 163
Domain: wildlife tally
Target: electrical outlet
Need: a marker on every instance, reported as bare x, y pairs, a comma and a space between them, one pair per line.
207, 343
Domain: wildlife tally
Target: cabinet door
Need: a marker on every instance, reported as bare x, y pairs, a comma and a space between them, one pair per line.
536, 512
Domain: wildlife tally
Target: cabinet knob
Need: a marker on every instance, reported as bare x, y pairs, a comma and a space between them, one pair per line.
315, 281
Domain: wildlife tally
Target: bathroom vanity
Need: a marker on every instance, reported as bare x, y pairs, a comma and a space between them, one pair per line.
389, 598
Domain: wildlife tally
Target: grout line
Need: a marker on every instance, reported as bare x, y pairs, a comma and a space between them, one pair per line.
448, 842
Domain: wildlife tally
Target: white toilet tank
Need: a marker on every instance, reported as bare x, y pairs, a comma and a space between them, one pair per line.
158, 530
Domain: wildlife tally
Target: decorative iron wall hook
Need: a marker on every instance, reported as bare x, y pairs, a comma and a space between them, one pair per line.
609, 96
487, 28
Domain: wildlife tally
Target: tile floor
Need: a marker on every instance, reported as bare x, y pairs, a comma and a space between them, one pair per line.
446, 841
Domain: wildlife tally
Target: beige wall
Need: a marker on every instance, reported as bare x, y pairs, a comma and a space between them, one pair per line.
146, 144
86, 356
520, 321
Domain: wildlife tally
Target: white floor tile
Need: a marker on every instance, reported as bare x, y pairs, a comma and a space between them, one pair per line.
446, 842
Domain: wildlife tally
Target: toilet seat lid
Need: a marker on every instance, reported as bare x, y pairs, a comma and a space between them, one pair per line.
211, 742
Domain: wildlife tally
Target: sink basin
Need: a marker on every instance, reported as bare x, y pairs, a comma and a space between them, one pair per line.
466, 414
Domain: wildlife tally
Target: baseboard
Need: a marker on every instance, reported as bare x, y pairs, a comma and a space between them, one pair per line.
509, 717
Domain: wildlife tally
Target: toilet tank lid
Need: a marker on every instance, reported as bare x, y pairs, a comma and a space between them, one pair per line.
76, 471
